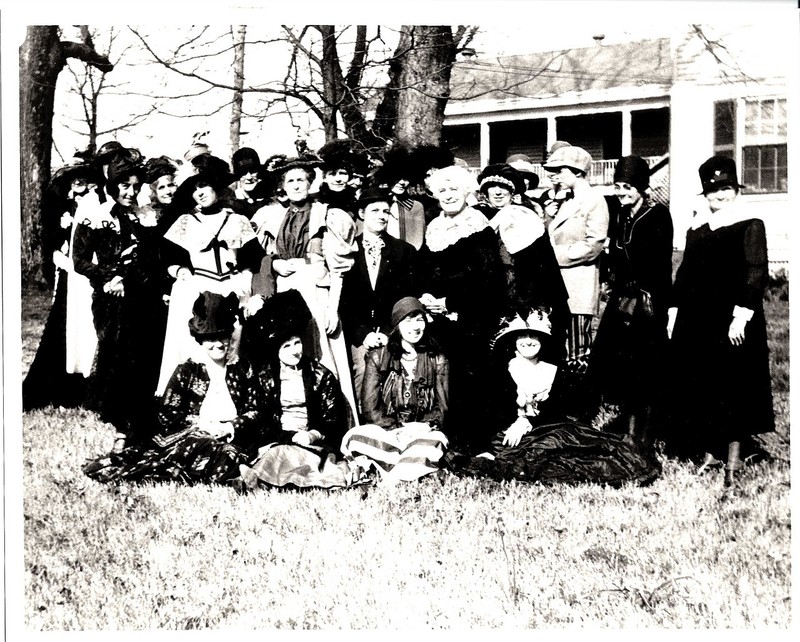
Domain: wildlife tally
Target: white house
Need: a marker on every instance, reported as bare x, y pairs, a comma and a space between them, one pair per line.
674, 101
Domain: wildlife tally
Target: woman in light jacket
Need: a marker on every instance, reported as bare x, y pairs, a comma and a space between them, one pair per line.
578, 233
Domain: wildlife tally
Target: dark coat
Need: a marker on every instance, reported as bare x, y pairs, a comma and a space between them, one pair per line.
325, 404
722, 392
363, 309
130, 329
627, 360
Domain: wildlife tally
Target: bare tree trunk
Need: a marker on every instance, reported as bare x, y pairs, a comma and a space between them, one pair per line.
239, 33
41, 60
423, 83
42, 56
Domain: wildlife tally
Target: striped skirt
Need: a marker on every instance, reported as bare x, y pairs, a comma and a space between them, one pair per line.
400, 454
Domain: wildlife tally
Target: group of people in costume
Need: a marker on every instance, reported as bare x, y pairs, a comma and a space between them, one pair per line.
327, 319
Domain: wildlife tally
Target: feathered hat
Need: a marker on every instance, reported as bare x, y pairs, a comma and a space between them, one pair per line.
537, 320
427, 157
284, 315
344, 153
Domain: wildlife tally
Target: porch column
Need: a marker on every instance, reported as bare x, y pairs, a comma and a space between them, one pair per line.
552, 133
626, 132
485, 144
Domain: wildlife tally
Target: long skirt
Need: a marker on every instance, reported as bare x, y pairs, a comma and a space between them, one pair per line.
301, 467
400, 454
49, 381
564, 453
195, 458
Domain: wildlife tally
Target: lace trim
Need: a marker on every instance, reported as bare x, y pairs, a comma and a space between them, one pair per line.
445, 231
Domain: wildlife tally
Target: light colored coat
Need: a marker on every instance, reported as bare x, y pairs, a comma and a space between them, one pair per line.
578, 233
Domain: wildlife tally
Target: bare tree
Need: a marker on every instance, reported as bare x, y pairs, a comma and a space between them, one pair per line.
348, 78
42, 57
89, 83
239, 34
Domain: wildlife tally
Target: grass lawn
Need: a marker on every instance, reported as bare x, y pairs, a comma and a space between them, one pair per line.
441, 553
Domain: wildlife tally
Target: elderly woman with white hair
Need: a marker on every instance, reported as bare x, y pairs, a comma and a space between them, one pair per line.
462, 285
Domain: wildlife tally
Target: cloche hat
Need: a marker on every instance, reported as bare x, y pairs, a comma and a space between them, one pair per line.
404, 307
633, 170
244, 161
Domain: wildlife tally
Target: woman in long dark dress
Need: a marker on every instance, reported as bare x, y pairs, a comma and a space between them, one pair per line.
462, 285
628, 358
52, 379
119, 254
208, 423
536, 440
722, 388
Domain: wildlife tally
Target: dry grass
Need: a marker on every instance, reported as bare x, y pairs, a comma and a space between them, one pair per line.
453, 553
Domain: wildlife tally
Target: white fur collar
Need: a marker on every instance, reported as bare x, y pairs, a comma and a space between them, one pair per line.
445, 231
517, 226
736, 212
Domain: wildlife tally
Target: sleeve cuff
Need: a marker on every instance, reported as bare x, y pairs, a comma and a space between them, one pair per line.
742, 313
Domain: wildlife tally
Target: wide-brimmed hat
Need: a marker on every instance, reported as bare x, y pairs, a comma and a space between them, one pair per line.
212, 170
77, 168
122, 166
278, 165
522, 163
284, 315
503, 175
155, 168
343, 153
427, 157
404, 307
718, 172
245, 160
213, 316
536, 321
397, 165
195, 150
570, 156
106, 151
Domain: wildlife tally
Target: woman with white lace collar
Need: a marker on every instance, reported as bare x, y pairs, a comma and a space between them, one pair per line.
463, 286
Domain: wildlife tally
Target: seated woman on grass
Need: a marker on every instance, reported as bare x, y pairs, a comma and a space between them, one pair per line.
303, 409
208, 421
537, 440
404, 400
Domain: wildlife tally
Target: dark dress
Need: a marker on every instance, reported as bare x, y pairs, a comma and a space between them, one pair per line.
178, 451
721, 392
628, 357
47, 381
130, 328
469, 274
558, 449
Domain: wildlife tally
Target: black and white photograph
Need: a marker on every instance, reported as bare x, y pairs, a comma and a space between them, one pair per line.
398, 327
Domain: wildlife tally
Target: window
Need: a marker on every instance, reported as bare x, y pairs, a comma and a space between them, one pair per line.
764, 146
760, 146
